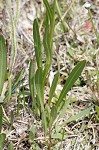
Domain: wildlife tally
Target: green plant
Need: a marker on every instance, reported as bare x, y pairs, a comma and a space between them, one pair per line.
3, 62
5, 92
2, 139
3, 69
93, 76
3, 65
11, 147
50, 112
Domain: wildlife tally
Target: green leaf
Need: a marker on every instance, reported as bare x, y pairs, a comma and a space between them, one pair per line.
97, 110
37, 43
74, 75
1, 113
53, 87
48, 52
46, 43
53, 115
81, 114
60, 16
45, 72
39, 87
32, 82
44, 122
52, 24
66, 104
2, 139
48, 37
3, 62
32, 132
13, 85
48, 9
57, 136
11, 147
17, 79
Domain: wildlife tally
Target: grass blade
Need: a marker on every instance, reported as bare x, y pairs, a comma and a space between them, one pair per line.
39, 87
53, 87
17, 79
71, 80
32, 82
48, 37
44, 122
52, 24
79, 115
60, 16
13, 85
31, 79
37, 43
46, 44
48, 9
53, 115
3, 62
1, 113
63, 111
76, 117
45, 72
48, 53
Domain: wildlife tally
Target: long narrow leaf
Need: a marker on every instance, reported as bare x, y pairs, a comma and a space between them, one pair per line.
45, 72
48, 9
46, 43
53, 87
81, 114
39, 87
1, 113
32, 82
53, 115
44, 122
74, 75
52, 25
37, 43
60, 16
3, 62
78, 116
13, 85
48, 38
17, 79
63, 111
32, 79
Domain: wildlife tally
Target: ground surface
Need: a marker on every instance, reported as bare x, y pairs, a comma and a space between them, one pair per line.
77, 43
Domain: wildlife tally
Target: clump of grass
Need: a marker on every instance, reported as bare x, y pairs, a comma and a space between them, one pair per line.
50, 112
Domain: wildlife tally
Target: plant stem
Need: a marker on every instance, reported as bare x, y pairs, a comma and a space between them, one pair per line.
50, 142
